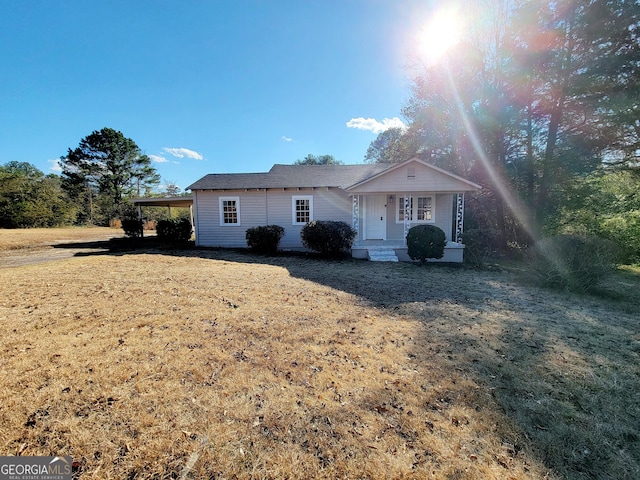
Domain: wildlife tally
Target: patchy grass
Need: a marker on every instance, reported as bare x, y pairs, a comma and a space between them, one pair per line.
17, 239
215, 364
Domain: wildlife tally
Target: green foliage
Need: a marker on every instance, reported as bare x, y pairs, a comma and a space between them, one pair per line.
176, 231
572, 262
105, 169
605, 204
394, 145
132, 227
479, 246
264, 239
425, 241
524, 118
28, 198
330, 238
318, 160
624, 230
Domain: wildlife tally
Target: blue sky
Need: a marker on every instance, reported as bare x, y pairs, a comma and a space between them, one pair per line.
204, 86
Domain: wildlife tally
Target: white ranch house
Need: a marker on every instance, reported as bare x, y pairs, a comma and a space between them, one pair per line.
380, 201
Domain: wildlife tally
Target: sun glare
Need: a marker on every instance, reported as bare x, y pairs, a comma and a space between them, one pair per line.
443, 31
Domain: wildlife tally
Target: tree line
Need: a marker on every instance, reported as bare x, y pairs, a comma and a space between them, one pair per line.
540, 104
98, 179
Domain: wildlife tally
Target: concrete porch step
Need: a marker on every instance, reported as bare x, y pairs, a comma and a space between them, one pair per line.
382, 255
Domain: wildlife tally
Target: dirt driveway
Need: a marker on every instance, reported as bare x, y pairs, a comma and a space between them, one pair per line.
46, 245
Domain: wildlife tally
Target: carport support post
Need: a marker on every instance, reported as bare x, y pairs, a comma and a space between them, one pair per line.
140, 218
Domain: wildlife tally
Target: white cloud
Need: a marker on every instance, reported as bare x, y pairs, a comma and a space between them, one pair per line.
287, 139
374, 125
158, 159
55, 165
183, 152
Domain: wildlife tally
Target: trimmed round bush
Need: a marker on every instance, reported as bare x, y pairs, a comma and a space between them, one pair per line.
264, 239
132, 227
572, 262
425, 241
329, 238
174, 231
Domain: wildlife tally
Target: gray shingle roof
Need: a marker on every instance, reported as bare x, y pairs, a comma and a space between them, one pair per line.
291, 176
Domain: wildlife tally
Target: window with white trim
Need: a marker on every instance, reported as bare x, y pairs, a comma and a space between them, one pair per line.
229, 211
420, 208
301, 209
424, 209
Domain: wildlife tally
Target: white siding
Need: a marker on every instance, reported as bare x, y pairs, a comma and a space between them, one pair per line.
328, 204
271, 207
444, 213
279, 208
424, 179
395, 231
211, 233
332, 204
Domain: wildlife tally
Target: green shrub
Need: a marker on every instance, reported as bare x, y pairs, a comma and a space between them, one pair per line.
624, 230
132, 227
264, 239
175, 231
479, 246
572, 262
328, 237
425, 241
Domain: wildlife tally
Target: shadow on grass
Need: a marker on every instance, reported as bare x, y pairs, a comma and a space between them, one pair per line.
119, 246
564, 368
105, 245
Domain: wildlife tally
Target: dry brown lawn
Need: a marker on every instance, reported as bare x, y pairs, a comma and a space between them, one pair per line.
219, 364
32, 238
36, 245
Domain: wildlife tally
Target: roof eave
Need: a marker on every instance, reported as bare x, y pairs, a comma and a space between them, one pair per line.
474, 186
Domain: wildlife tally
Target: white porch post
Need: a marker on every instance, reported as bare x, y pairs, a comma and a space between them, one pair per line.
355, 211
459, 217
407, 216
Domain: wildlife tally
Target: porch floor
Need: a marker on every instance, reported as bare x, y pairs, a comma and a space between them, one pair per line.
373, 244
390, 250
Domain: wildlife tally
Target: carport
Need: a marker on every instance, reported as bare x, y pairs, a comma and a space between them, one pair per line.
168, 202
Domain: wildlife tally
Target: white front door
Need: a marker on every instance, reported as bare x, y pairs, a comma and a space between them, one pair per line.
376, 218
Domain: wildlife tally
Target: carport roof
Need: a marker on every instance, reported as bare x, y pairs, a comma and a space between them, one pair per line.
163, 202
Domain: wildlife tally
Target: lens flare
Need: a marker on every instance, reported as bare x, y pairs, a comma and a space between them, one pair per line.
443, 31
512, 202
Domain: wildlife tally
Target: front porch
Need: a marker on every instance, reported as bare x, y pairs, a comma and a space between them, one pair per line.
382, 221
396, 251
